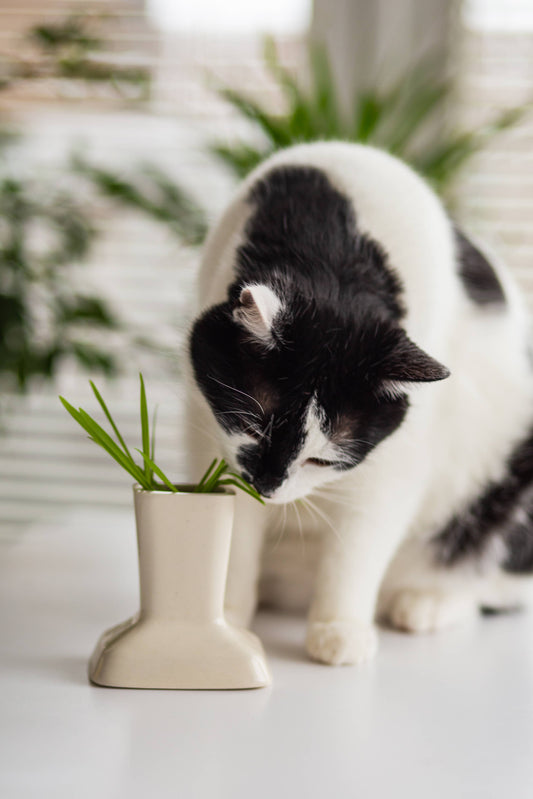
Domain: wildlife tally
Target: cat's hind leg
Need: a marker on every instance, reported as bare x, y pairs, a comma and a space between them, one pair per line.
444, 581
482, 561
420, 596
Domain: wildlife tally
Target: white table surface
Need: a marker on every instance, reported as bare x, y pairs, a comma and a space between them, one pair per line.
447, 716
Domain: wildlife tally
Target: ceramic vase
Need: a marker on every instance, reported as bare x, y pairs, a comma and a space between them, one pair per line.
179, 638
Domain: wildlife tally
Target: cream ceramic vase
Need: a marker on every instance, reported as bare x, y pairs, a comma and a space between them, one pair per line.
179, 638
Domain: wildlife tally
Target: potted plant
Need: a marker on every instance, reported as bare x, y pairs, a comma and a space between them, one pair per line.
179, 637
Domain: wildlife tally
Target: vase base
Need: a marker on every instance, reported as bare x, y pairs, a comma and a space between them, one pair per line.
168, 654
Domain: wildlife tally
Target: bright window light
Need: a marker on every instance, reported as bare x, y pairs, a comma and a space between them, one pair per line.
499, 15
231, 16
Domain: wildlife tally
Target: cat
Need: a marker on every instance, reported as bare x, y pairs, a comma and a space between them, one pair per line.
361, 362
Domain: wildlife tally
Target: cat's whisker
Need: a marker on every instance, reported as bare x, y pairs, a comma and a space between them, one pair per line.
204, 432
282, 525
324, 518
337, 498
300, 528
267, 433
238, 391
315, 519
336, 501
238, 412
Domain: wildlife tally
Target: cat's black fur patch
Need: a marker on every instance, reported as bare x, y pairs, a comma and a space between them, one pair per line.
304, 231
504, 509
336, 339
479, 278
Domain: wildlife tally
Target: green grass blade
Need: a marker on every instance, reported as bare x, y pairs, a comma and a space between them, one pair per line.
243, 486
211, 484
158, 472
73, 412
105, 440
100, 437
136, 473
110, 418
206, 475
152, 445
145, 427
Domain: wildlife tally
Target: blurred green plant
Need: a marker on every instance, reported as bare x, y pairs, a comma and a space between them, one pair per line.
405, 119
150, 190
43, 317
71, 47
72, 31
76, 47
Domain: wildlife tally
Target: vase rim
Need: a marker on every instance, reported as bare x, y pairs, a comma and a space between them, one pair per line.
184, 490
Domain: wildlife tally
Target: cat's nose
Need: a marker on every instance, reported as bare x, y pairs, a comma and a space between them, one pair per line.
264, 485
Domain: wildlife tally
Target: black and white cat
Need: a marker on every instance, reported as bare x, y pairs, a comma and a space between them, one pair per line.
360, 362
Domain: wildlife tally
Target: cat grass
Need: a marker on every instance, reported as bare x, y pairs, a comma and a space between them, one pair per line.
214, 480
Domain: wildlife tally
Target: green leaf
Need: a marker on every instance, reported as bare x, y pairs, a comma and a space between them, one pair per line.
210, 484
145, 427
240, 157
91, 357
110, 418
206, 474
152, 446
151, 191
159, 473
299, 117
136, 473
368, 114
72, 410
91, 310
215, 476
97, 432
239, 482
274, 128
421, 106
100, 437
218, 475
325, 94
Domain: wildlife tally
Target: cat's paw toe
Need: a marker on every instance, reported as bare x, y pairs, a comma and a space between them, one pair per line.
341, 642
418, 611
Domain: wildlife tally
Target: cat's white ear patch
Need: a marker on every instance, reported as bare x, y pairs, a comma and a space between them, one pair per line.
394, 389
257, 310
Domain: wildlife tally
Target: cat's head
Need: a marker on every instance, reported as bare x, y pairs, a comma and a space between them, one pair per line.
303, 390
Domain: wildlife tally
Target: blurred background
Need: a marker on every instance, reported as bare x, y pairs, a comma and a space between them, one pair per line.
125, 125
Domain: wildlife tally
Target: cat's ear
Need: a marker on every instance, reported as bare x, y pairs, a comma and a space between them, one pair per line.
256, 311
406, 364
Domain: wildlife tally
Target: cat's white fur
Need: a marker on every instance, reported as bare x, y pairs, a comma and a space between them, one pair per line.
368, 530
258, 309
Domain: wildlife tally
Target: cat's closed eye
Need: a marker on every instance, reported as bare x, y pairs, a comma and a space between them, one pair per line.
319, 462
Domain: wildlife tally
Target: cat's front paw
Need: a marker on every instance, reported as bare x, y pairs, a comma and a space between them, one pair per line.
341, 642
423, 611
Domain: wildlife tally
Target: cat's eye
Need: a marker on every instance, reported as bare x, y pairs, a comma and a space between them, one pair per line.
319, 462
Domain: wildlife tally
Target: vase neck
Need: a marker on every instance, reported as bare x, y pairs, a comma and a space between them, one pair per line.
184, 543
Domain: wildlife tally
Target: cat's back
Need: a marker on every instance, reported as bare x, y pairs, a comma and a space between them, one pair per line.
390, 204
